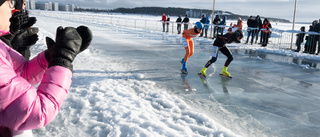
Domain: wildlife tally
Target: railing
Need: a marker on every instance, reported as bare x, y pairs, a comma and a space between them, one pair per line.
280, 39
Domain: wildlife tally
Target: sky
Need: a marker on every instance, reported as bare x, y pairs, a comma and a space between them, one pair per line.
306, 9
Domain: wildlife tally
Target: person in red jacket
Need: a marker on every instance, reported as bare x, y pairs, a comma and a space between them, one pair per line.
265, 32
164, 20
188, 45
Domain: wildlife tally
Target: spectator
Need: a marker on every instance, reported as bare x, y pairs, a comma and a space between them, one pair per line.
20, 27
318, 30
168, 19
266, 32
203, 21
259, 25
216, 22
251, 29
186, 22
23, 106
179, 20
239, 24
311, 39
206, 26
222, 25
164, 19
300, 37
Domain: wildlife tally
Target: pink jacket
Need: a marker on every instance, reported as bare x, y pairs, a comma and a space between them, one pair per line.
22, 106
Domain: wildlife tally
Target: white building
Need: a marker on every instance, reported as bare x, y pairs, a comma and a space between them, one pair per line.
56, 6
32, 5
72, 8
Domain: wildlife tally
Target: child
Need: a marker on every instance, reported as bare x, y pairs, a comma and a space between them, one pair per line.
219, 45
300, 38
187, 36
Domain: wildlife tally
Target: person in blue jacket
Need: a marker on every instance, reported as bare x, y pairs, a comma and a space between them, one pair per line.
203, 21
222, 23
206, 27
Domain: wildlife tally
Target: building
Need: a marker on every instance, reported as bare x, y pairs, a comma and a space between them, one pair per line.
50, 6
56, 6
195, 13
32, 5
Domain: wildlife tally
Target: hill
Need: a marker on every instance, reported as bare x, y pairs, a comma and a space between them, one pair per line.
172, 11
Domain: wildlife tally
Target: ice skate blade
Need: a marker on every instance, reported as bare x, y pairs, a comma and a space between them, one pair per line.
225, 76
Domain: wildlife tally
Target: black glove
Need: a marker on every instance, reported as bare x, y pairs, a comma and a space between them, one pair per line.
64, 50
25, 38
31, 21
85, 34
17, 19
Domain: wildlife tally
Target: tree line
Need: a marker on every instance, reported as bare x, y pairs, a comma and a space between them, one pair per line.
172, 11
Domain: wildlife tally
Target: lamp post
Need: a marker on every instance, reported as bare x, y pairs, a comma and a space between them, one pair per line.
214, 1
294, 21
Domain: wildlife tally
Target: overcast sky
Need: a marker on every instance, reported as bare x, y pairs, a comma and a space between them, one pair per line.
307, 10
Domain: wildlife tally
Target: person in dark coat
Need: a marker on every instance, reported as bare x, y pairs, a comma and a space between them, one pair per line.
259, 25
300, 37
216, 22
221, 25
312, 39
252, 28
168, 19
185, 22
178, 21
318, 30
203, 21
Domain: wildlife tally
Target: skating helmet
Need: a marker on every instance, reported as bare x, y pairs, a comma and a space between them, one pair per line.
239, 33
199, 25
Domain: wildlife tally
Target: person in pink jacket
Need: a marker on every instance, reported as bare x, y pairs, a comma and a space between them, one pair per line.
22, 106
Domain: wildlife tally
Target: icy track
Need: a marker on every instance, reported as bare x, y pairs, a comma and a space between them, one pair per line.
128, 83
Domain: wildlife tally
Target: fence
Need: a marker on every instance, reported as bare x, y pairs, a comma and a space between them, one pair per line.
280, 39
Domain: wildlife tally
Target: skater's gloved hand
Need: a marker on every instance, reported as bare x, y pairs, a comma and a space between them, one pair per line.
25, 38
69, 43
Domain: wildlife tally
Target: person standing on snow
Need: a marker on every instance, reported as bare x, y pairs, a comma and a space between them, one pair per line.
220, 45
21, 28
186, 22
300, 37
239, 24
168, 19
188, 44
216, 22
203, 21
206, 26
265, 32
24, 107
259, 26
251, 29
222, 25
164, 19
178, 21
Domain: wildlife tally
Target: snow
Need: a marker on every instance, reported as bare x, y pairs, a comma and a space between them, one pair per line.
127, 83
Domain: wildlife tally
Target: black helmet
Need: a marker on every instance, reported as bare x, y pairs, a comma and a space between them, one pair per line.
238, 33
